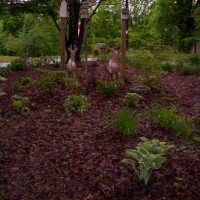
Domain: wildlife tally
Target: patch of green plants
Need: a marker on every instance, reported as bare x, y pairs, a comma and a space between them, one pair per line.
79, 72
77, 103
107, 89
18, 64
151, 80
144, 158
183, 126
5, 71
25, 81
195, 60
167, 67
71, 83
57, 76
45, 83
16, 86
196, 139
124, 122
165, 116
20, 105
169, 118
131, 100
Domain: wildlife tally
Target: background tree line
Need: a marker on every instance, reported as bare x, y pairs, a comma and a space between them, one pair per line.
33, 26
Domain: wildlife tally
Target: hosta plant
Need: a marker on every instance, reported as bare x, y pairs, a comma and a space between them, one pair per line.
78, 103
131, 99
144, 161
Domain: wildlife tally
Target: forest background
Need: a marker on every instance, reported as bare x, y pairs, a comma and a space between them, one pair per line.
33, 26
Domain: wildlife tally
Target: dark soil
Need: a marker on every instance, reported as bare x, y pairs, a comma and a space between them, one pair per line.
52, 155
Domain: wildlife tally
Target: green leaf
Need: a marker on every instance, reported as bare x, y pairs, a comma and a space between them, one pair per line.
128, 161
134, 153
143, 151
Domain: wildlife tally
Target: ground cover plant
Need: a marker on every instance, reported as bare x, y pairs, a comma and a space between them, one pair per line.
51, 154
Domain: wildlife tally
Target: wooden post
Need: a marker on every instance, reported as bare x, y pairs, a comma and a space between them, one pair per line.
124, 17
63, 14
62, 44
123, 47
86, 63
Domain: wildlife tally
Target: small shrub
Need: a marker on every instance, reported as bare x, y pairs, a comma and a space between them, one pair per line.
124, 122
71, 83
131, 99
106, 89
26, 81
18, 64
153, 81
16, 87
45, 83
187, 70
195, 60
183, 127
144, 159
167, 67
5, 71
78, 103
57, 77
20, 105
79, 72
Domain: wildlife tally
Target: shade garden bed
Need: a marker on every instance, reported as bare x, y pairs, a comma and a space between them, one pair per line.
50, 154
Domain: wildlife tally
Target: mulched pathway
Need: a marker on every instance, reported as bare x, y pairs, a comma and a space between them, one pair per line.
51, 155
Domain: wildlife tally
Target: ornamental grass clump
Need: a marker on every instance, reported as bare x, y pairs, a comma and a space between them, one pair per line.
77, 103
147, 157
124, 122
166, 117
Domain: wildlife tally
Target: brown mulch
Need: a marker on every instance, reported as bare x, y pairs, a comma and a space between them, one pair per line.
52, 155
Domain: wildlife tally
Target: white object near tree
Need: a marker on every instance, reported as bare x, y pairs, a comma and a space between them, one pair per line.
63, 9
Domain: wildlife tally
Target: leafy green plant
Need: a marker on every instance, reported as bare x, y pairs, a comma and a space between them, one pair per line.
195, 60
78, 103
71, 83
167, 67
16, 87
183, 126
20, 105
107, 89
153, 81
57, 77
79, 72
45, 83
144, 159
154, 146
5, 71
166, 117
18, 64
124, 122
131, 99
26, 81
196, 139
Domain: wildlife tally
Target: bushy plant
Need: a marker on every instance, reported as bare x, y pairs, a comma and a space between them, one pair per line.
131, 99
166, 117
167, 67
71, 83
20, 105
108, 88
195, 60
26, 81
187, 70
153, 81
79, 72
144, 159
183, 126
16, 86
45, 83
5, 71
18, 64
78, 103
57, 77
124, 122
